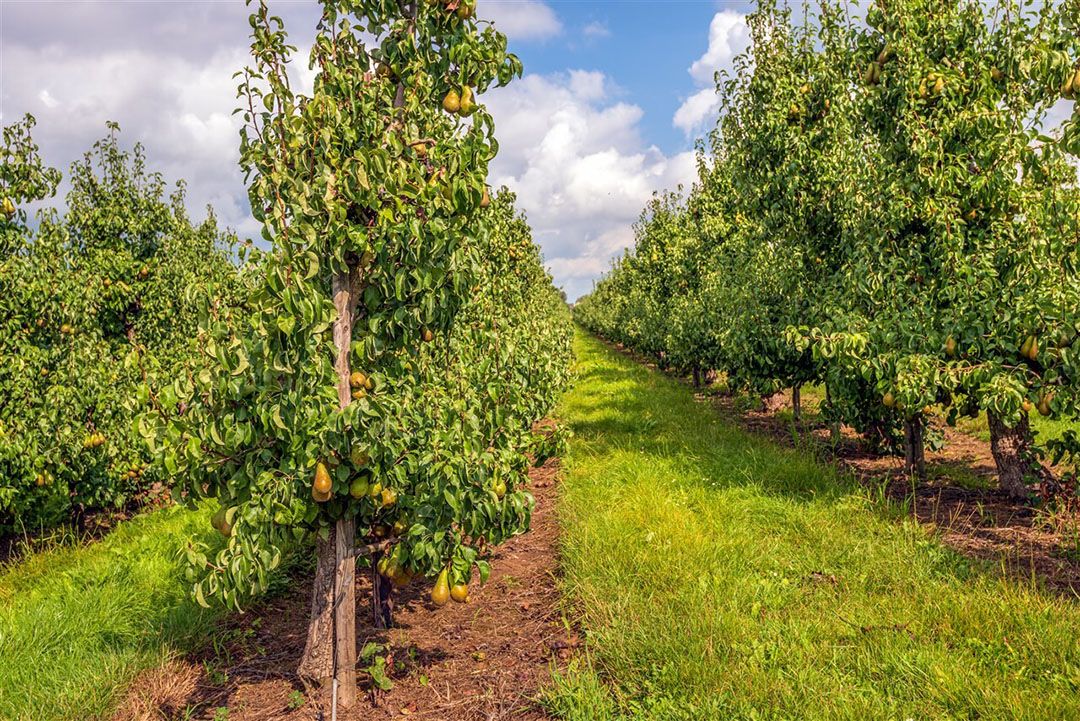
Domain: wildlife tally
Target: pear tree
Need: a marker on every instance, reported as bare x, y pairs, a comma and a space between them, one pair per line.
358, 398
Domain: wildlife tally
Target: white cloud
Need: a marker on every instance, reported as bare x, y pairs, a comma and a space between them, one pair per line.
521, 19
596, 29
575, 157
700, 107
728, 36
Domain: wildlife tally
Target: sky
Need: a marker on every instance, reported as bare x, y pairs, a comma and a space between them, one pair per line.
614, 96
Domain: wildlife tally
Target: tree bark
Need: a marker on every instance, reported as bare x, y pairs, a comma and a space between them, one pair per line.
317, 662
834, 426
697, 376
914, 448
382, 601
796, 402
1015, 458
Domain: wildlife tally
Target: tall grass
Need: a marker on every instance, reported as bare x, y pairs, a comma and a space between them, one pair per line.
78, 623
718, 576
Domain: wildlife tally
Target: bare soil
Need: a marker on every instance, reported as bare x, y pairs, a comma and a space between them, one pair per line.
486, 659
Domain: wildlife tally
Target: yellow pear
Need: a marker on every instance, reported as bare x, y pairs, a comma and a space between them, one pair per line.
440, 594
452, 102
468, 105
322, 483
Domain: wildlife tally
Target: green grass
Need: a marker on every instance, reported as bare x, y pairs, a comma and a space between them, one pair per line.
718, 576
78, 623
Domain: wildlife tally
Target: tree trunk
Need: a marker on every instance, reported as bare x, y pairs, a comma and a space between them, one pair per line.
796, 402
697, 376
1015, 458
914, 450
382, 601
834, 426
317, 663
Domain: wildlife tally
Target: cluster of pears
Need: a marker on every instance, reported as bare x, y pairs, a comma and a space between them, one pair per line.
442, 591
134, 472
45, 478
361, 384
1071, 87
934, 83
94, 440
460, 102
872, 75
390, 567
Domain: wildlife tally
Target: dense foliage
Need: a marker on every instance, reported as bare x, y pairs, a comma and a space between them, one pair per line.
95, 300
887, 211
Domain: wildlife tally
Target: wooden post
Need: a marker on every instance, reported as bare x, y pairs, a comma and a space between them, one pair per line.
345, 299
345, 613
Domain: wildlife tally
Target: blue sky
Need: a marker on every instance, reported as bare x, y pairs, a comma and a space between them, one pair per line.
613, 98
645, 47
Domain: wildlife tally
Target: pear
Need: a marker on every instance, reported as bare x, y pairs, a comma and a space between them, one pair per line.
499, 488
358, 380
885, 54
888, 400
8, 208
485, 199
319, 497
466, 9
440, 594
1033, 348
452, 102
426, 335
389, 497
359, 488
950, 346
996, 74
467, 105
939, 85
322, 483
459, 592
1044, 403
1076, 80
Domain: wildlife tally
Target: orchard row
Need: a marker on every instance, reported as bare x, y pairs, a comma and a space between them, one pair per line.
889, 208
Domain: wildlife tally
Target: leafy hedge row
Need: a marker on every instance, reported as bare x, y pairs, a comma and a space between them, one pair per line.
95, 300
889, 209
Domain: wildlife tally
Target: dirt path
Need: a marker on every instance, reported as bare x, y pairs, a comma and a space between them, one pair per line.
483, 660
